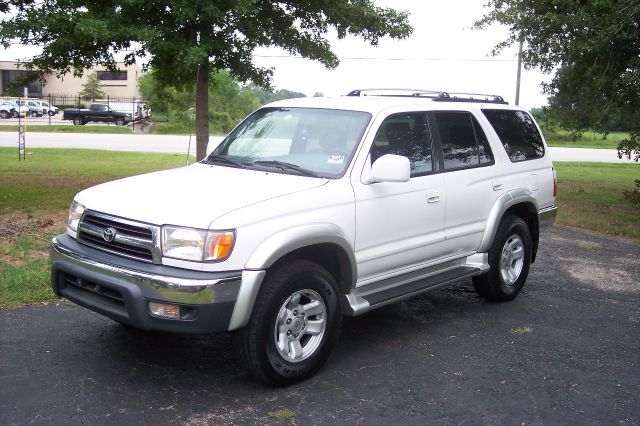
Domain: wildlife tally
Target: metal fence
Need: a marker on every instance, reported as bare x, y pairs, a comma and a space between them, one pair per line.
59, 109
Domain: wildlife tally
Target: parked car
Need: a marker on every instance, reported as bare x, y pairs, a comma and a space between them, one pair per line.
47, 108
10, 109
32, 107
96, 112
312, 209
7, 109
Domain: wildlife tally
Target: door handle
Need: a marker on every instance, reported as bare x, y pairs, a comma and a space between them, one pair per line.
497, 186
433, 197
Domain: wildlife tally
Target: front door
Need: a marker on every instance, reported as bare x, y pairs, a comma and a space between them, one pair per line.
399, 224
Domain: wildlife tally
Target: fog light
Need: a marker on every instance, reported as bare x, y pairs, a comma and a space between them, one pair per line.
164, 311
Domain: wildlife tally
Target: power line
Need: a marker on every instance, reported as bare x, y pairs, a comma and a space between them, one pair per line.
362, 58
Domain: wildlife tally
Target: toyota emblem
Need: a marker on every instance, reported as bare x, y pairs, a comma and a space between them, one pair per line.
109, 234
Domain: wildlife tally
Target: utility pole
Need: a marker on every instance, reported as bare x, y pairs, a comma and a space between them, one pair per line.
519, 72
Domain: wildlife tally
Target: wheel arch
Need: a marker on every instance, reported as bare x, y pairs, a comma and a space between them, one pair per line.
520, 203
324, 243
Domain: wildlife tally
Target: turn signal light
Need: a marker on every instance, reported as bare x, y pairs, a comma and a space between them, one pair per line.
162, 310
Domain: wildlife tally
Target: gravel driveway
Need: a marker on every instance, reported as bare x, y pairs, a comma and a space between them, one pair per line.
567, 351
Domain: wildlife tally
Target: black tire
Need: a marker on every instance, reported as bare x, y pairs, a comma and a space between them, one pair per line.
119, 121
51, 113
4, 114
77, 121
34, 114
495, 285
255, 344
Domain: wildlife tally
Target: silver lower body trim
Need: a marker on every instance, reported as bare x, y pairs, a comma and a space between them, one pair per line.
547, 216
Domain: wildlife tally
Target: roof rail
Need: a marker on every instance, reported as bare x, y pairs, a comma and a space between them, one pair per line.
435, 95
396, 92
470, 97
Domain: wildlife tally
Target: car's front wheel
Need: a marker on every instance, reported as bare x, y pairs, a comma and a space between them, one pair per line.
4, 114
119, 121
509, 260
77, 121
294, 324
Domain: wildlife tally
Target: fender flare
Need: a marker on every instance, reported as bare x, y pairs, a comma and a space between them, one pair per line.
276, 247
502, 204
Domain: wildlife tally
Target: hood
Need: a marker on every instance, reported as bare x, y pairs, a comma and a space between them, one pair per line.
190, 196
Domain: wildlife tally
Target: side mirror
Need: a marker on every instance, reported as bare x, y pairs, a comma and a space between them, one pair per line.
390, 168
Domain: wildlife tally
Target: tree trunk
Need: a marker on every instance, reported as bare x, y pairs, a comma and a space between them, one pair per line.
202, 110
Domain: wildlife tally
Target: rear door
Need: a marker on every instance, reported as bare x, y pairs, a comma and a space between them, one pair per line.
470, 176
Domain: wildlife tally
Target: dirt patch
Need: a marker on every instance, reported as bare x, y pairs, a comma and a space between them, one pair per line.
37, 228
38, 224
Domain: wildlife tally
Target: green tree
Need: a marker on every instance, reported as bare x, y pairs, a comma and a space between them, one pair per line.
92, 88
592, 45
189, 40
228, 101
267, 96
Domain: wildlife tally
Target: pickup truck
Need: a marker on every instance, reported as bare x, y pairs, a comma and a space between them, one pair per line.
96, 112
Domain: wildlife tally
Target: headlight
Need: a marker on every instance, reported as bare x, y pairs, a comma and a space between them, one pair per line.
75, 213
197, 245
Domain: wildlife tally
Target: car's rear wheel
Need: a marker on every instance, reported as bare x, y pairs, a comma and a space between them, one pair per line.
51, 113
77, 121
294, 324
509, 261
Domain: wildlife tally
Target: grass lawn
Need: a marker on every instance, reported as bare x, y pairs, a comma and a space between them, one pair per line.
587, 140
63, 128
590, 197
35, 195
34, 198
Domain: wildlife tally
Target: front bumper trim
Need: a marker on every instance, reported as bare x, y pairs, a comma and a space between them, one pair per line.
91, 278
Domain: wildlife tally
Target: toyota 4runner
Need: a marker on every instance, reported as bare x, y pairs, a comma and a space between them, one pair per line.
312, 209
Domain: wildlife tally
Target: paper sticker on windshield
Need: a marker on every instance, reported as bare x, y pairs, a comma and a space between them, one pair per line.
336, 159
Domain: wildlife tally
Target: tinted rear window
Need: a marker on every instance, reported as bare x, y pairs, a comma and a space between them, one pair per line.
517, 132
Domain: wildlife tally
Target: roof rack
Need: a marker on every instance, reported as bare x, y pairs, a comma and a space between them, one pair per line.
435, 95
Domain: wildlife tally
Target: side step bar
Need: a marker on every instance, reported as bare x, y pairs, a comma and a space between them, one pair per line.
366, 298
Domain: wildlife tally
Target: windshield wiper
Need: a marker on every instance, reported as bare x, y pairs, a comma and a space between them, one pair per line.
226, 160
283, 165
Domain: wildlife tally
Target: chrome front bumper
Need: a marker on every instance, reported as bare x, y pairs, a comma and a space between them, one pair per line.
121, 288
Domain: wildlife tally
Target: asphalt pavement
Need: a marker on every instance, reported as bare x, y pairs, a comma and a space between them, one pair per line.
565, 352
181, 144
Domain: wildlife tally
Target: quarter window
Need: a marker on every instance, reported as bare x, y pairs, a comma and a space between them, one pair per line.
463, 141
406, 135
517, 132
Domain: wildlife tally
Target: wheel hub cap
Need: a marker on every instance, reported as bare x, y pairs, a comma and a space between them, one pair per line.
512, 259
300, 325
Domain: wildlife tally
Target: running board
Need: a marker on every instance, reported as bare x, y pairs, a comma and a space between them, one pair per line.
366, 298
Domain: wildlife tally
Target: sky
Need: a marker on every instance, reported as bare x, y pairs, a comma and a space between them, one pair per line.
443, 54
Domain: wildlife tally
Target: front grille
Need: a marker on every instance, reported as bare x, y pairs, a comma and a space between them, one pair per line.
134, 240
86, 289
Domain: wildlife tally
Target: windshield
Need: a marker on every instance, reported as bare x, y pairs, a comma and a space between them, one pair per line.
305, 141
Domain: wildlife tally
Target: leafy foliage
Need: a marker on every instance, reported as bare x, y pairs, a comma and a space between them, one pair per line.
92, 88
228, 102
594, 46
267, 96
188, 39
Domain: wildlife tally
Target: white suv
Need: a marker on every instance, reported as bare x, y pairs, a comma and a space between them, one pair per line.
312, 209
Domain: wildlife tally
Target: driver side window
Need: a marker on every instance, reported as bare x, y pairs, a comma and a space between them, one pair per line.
407, 135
